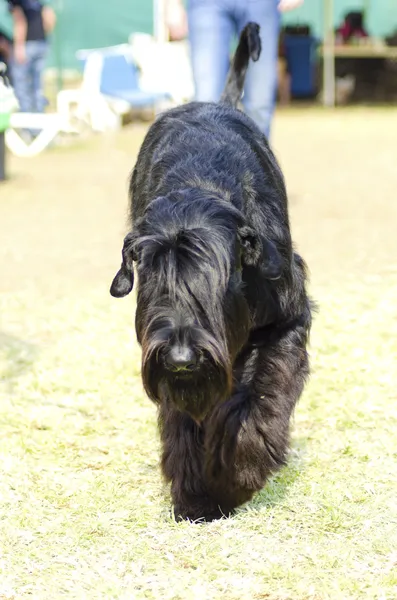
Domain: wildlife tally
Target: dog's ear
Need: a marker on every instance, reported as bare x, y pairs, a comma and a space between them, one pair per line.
258, 251
123, 282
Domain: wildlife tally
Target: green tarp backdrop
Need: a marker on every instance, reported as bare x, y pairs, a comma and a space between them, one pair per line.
90, 24
96, 23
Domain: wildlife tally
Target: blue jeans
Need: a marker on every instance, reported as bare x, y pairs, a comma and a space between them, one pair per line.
27, 77
212, 26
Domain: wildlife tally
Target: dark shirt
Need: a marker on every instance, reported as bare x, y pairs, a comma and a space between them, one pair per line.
32, 10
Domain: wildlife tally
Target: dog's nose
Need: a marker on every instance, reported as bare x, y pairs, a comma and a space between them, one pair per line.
181, 358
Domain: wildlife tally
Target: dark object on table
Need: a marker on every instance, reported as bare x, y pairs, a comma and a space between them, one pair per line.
352, 27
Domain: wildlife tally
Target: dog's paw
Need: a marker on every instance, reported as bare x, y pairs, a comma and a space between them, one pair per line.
196, 515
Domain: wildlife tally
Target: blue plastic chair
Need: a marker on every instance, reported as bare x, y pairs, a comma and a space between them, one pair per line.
120, 80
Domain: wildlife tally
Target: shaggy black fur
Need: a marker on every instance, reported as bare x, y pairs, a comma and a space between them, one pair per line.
222, 312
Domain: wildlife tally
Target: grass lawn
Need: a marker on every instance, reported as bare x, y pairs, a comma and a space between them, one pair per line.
83, 511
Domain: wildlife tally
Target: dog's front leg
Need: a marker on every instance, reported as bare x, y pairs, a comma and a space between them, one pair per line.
183, 465
247, 436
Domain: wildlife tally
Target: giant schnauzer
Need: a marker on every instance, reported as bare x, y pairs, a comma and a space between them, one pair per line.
222, 313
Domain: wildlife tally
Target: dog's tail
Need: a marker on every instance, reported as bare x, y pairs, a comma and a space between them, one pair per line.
249, 46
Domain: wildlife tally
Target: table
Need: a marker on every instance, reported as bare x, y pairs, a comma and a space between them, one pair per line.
329, 52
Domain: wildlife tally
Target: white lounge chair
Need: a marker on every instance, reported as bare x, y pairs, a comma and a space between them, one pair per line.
110, 88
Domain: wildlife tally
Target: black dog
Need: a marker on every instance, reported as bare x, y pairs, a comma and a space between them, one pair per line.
222, 312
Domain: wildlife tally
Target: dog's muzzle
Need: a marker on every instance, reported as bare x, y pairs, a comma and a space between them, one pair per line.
181, 359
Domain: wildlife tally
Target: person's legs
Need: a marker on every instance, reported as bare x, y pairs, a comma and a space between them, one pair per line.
39, 54
211, 27
261, 80
22, 82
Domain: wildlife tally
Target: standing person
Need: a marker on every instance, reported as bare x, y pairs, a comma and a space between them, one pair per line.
212, 25
33, 22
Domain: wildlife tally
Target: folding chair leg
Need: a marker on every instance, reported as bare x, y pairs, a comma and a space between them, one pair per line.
102, 116
18, 147
65, 99
48, 124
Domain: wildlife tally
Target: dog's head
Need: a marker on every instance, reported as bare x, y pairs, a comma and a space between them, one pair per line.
192, 317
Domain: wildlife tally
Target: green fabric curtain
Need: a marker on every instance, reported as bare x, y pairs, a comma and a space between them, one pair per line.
94, 23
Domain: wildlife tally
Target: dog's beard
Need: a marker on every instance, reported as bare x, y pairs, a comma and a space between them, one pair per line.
192, 392
196, 395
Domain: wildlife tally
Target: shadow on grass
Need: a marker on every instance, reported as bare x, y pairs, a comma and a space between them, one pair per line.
277, 488
16, 357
